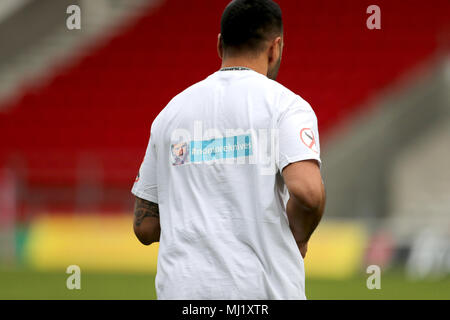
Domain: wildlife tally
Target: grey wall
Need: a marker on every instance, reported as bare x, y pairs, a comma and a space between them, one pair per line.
359, 157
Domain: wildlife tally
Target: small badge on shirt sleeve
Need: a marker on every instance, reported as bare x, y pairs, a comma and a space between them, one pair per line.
308, 139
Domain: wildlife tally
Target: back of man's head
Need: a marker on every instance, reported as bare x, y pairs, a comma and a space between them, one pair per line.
247, 26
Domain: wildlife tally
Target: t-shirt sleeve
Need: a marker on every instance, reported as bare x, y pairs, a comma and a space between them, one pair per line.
146, 184
298, 134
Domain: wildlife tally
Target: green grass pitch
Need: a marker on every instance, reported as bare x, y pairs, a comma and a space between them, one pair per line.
26, 284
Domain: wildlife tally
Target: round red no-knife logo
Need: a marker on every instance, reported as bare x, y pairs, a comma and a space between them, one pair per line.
308, 139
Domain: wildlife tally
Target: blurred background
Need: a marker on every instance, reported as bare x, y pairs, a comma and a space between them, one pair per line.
76, 108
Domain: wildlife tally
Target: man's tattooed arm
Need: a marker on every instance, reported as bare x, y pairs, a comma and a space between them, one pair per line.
146, 230
144, 209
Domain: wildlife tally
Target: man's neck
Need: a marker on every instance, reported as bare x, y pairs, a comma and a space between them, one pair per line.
253, 64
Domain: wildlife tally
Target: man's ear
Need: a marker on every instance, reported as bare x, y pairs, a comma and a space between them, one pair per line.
275, 50
219, 46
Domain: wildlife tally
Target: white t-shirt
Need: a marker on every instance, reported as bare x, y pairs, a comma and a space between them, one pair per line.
213, 165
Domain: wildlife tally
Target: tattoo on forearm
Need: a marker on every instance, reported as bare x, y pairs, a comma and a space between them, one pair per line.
144, 209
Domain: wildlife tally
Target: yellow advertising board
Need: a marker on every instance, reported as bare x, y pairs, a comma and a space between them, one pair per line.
107, 243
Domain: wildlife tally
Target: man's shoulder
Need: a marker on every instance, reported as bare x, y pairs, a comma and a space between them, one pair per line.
288, 99
284, 94
186, 94
178, 100
283, 91
194, 88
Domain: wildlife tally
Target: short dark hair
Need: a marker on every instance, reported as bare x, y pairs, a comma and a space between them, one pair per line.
247, 24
